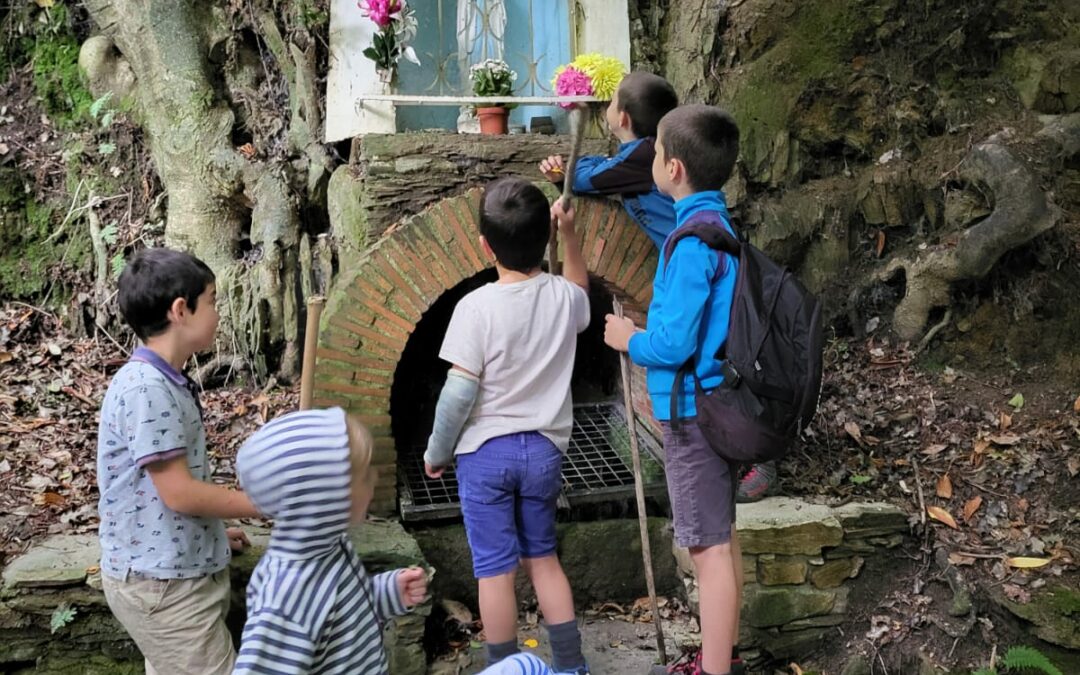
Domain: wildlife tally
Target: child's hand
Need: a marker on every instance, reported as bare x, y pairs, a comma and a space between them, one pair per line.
238, 540
433, 471
553, 169
412, 585
564, 218
617, 332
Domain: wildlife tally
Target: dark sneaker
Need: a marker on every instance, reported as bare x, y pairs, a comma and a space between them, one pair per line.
758, 483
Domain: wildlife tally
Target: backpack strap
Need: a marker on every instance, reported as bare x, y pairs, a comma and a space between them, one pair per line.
711, 229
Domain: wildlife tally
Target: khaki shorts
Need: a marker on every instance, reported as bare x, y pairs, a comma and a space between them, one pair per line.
178, 624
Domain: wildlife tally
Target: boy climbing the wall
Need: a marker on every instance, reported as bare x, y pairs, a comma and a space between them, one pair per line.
688, 318
636, 108
639, 103
164, 548
505, 412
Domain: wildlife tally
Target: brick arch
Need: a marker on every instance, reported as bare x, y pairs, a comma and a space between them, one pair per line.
373, 309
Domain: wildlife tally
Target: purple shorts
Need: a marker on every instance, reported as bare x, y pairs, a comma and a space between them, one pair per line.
701, 487
509, 490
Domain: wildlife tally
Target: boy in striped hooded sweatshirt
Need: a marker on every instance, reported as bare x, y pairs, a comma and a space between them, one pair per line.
312, 608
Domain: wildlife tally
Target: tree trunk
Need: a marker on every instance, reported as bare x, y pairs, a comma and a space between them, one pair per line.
236, 214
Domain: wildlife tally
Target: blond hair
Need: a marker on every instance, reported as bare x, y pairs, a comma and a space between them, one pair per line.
361, 445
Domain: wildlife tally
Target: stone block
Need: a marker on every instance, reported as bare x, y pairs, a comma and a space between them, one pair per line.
774, 570
781, 525
870, 519
784, 645
834, 572
814, 622
60, 560
765, 607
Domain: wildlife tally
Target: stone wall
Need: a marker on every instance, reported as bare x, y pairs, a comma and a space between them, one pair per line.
801, 562
63, 571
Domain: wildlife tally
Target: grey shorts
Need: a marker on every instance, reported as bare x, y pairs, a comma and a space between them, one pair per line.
701, 487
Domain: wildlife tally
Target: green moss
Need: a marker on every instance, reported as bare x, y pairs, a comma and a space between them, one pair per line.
57, 79
813, 45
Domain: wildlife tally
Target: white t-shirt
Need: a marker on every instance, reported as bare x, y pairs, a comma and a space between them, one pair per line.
520, 339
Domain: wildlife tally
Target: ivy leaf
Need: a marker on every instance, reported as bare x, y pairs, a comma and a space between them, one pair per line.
1017, 401
62, 616
860, 479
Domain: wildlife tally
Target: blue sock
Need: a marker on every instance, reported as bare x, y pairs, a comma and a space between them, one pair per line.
565, 640
497, 651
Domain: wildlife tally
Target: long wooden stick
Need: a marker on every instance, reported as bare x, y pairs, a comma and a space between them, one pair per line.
639, 492
577, 132
311, 344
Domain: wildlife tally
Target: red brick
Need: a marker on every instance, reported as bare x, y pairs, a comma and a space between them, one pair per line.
392, 341
358, 359
357, 394
603, 235
465, 239
407, 303
641, 255
379, 309
400, 270
620, 237
410, 265
430, 254
454, 257
587, 224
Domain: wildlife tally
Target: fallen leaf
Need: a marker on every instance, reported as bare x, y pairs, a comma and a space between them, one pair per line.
93, 569
1073, 465
880, 245
1004, 421
1076, 405
934, 449
971, 506
795, 669
45, 4
981, 445
941, 515
457, 611
853, 431
55, 349
944, 487
960, 559
6, 356
532, 643
49, 499
1017, 401
1016, 593
1026, 563
1005, 439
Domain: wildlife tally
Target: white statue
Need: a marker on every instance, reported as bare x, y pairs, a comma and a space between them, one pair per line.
481, 30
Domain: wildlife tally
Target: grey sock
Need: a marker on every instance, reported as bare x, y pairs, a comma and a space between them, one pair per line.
497, 651
565, 646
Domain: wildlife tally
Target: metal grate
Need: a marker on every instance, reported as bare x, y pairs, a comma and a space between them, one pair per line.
597, 466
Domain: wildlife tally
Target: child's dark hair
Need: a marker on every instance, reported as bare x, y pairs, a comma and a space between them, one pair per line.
646, 98
515, 218
152, 280
705, 139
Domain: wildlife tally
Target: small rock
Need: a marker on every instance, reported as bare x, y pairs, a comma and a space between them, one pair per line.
833, 573
775, 570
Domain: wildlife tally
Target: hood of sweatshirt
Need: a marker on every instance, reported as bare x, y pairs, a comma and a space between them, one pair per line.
297, 470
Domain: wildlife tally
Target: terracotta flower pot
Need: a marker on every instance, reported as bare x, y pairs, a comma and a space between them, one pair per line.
493, 120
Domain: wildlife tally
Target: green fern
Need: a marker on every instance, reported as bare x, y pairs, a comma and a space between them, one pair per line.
1028, 658
985, 671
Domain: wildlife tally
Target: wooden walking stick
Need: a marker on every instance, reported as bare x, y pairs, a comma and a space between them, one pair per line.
311, 344
639, 491
577, 131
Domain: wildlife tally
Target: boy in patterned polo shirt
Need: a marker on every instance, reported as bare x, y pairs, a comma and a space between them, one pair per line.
164, 548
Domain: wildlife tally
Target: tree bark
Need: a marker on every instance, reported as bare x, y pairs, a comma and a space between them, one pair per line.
218, 199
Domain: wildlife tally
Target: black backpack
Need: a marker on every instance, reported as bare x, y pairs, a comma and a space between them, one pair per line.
771, 358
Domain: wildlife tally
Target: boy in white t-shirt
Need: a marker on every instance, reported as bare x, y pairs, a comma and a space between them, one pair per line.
505, 412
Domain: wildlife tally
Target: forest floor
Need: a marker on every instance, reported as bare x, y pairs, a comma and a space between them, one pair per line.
984, 462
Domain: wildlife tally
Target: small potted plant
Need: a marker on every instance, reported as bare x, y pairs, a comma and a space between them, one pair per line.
492, 77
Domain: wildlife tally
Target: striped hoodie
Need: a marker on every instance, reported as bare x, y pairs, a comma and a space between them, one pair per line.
311, 606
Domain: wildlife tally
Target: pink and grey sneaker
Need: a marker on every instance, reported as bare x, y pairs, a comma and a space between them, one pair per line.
692, 666
758, 483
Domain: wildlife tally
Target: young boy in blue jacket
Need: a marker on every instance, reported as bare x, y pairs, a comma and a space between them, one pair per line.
688, 318
636, 108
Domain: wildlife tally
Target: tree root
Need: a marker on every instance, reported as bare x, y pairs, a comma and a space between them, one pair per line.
1022, 211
